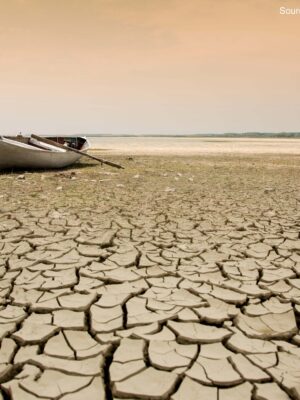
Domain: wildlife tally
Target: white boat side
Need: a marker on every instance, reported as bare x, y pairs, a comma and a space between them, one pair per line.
14, 154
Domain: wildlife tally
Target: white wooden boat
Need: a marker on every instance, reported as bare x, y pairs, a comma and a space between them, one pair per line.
26, 152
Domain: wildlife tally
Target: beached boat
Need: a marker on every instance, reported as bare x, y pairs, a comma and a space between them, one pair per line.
28, 152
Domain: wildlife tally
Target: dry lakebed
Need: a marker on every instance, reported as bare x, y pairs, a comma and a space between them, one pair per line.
176, 278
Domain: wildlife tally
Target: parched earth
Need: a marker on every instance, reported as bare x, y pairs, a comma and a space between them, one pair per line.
177, 278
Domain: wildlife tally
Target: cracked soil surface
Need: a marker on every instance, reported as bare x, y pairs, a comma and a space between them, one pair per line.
177, 278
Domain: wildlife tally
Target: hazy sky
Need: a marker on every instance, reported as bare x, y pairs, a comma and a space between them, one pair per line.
149, 66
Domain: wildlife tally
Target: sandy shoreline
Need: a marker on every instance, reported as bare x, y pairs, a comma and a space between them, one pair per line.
193, 261
194, 146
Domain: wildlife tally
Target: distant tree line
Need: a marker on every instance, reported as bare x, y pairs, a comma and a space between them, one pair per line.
263, 134
212, 135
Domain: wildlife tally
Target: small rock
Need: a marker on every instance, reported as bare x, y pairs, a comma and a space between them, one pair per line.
269, 190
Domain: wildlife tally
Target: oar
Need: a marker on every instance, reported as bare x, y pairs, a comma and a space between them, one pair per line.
53, 143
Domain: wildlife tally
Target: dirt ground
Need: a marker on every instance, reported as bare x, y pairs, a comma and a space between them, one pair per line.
175, 278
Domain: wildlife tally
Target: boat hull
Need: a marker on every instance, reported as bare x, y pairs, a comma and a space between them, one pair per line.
12, 156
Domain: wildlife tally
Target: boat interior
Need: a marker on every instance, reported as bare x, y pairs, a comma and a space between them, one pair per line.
72, 142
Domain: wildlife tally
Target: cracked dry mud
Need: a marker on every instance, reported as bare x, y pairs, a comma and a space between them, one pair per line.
174, 279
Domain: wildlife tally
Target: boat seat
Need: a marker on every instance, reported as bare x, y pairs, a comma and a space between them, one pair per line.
45, 146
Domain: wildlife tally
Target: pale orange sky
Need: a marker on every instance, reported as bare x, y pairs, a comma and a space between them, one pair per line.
148, 66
